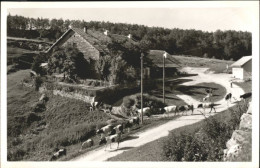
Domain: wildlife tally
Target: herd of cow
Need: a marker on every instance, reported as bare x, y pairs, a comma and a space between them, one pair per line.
108, 134
113, 133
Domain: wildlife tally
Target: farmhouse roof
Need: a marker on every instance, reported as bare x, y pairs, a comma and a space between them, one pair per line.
96, 38
242, 61
156, 56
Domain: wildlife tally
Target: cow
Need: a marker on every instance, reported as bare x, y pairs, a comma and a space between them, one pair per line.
58, 154
183, 109
87, 144
119, 128
105, 130
246, 95
144, 110
110, 139
228, 97
207, 105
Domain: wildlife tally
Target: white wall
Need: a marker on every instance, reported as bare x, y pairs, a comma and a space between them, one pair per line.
238, 73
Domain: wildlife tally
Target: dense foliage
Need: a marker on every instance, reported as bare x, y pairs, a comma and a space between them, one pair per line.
228, 45
68, 61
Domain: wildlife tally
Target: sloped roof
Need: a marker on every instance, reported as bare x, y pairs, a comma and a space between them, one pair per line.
96, 38
242, 61
156, 57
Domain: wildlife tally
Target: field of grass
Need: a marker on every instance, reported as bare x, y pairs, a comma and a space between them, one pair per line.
33, 136
246, 86
153, 151
216, 65
14, 52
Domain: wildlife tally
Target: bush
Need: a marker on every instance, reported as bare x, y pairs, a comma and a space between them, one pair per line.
39, 107
15, 155
208, 143
38, 82
32, 117
128, 102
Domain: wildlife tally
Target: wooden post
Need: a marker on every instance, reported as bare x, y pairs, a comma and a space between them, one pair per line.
142, 118
163, 79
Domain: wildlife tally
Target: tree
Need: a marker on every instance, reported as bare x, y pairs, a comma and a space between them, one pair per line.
102, 67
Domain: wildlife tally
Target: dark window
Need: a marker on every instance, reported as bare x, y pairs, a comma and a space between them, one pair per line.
74, 44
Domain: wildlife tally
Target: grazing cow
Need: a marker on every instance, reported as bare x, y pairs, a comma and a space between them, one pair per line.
207, 105
191, 107
169, 109
200, 105
58, 154
228, 97
183, 109
246, 95
110, 140
105, 130
87, 144
144, 110
119, 128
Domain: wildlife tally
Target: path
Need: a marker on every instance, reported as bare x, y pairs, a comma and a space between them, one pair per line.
152, 134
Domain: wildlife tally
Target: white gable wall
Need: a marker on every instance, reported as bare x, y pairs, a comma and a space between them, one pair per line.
238, 73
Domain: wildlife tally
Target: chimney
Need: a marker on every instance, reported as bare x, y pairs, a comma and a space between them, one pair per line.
85, 29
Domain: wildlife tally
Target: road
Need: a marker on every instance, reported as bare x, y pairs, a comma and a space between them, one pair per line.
152, 134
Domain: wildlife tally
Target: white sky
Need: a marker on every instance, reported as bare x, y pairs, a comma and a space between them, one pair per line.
200, 18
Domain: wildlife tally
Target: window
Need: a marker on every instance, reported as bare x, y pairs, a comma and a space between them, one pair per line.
74, 44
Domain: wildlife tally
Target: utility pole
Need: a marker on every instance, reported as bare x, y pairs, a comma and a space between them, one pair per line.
164, 56
142, 118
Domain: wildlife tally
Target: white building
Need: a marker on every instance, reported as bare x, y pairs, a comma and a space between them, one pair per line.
242, 68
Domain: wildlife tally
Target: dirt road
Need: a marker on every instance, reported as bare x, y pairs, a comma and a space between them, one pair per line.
141, 138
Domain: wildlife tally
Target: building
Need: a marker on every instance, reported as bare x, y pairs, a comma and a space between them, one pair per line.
242, 68
154, 64
92, 44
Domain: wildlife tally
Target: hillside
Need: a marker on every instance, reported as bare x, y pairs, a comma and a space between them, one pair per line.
34, 135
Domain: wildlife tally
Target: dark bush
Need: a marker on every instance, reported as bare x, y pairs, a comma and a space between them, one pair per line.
15, 155
32, 117
128, 102
39, 107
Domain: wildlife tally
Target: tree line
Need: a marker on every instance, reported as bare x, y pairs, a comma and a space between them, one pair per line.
228, 45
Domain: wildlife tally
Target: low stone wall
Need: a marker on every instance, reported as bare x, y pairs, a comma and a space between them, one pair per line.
241, 139
72, 95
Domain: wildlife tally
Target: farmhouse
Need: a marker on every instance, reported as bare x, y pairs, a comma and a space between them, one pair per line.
154, 64
242, 68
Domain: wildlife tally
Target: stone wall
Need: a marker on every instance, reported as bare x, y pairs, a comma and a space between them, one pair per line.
86, 48
72, 95
239, 147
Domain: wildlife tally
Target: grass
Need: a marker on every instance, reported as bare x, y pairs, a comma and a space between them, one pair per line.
198, 91
64, 122
152, 151
149, 123
246, 86
14, 52
216, 65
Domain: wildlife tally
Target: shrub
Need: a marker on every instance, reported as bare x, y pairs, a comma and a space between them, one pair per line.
38, 82
32, 117
128, 102
204, 145
39, 107
15, 155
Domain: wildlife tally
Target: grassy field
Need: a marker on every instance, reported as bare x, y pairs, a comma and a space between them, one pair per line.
246, 86
14, 52
216, 65
33, 136
152, 151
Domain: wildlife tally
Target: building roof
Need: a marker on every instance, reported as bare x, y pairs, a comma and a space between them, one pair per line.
242, 61
96, 38
156, 56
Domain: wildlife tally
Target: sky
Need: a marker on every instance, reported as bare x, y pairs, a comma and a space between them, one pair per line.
205, 19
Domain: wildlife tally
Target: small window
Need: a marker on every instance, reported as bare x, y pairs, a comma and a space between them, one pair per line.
74, 44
